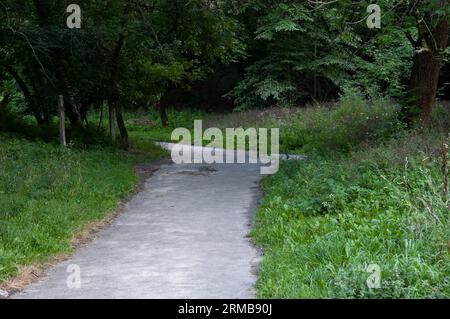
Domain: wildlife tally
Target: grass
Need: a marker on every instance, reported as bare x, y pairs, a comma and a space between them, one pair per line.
347, 125
315, 129
379, 200
49, 193
147, 126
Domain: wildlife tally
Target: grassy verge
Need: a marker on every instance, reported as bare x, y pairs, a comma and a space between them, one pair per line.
49, 193
148, 126
324, 221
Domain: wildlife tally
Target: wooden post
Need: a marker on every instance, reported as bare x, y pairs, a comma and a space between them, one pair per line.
112, 123
62, 127
444, 155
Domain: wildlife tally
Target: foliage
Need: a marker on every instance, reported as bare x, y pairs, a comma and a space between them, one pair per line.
370, 191
48, 193
297, 49
145, 127
127, 51
352, 122
313, 51
323, 221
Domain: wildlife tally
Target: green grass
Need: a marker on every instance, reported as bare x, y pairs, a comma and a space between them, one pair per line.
148, 125
350, 123
323, 221
48, 193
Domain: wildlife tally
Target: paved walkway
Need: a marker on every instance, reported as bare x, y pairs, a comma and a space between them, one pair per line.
183, 236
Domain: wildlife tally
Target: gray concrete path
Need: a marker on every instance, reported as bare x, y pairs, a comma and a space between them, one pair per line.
183, 236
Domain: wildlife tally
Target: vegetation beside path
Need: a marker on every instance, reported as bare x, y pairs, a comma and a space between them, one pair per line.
366, 195
50, 193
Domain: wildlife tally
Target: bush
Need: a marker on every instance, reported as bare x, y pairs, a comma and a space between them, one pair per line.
11, 123
352, 122
26, 127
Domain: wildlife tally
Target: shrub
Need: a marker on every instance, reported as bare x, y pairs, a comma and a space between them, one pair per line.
352, 122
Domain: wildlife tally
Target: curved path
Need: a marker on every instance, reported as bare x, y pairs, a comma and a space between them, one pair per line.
183, 236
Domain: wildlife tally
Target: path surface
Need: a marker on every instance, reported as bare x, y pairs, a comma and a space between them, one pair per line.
183, 236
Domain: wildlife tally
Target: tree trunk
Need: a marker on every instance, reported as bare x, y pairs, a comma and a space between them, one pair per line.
426, 68
112, 122
424, 83
163, 114
43, 9
160, 107
5, 102
125, 143
115, 95
29, 97
72, 109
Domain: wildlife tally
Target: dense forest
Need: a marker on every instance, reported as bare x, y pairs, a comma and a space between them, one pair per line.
362, 87
240, 54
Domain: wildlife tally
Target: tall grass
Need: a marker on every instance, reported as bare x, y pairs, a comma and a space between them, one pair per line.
323, 221
352, 122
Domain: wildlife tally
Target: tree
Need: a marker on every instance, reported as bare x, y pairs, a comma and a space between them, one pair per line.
431, 18
124, 52
307, 46
425, 23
